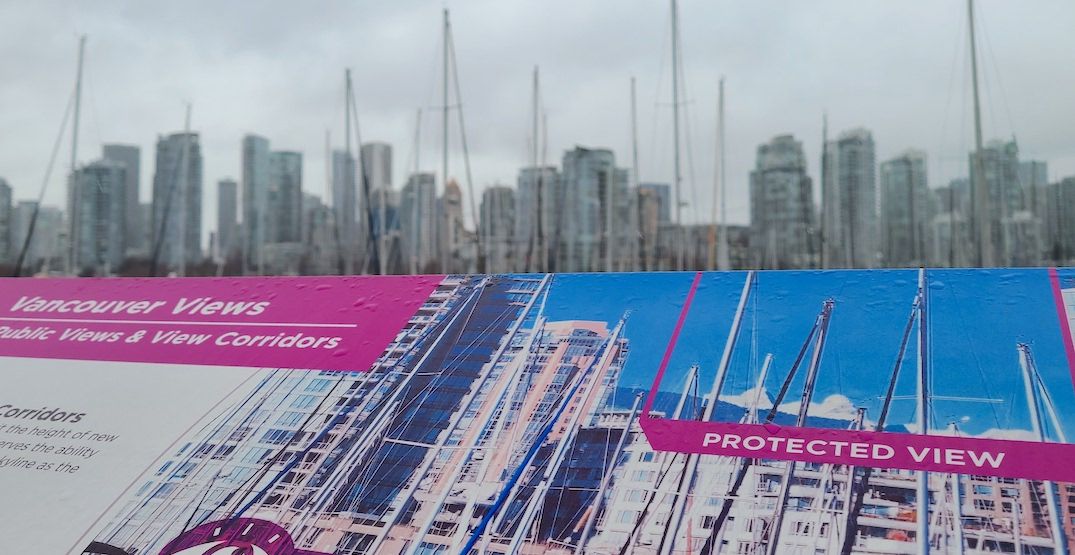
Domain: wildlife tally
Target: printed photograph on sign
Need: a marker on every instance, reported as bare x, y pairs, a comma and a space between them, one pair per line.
982, 351
505, 418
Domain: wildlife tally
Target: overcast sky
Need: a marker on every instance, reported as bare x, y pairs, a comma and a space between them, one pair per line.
899, 68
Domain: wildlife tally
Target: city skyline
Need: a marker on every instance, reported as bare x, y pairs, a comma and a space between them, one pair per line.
895, 86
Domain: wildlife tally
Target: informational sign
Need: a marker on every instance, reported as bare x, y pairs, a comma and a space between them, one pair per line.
895, 411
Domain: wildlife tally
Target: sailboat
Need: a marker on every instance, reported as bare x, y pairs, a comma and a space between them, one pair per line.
447, 230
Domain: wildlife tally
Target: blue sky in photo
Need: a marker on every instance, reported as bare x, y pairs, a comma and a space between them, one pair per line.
976, 318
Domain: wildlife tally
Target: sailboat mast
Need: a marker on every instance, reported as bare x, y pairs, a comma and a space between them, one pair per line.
983, 234
543, 230
1030, 375
759, 389
371, 242
723, 262
711, 238
416, 211
1017, 534
349, 169
729, 346
957, 514
610, 177
536, 240
713, 398
824, 183
595, 507
922, 415
335, 209
72, 257
677, 179
800, 421
444, 140
635, 254
856, 492
382, 227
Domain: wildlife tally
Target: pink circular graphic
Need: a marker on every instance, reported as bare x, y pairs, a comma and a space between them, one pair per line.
239, 536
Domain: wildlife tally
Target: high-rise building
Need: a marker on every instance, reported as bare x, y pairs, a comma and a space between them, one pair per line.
451, 232
131, 157
1033, 179
953, 197
586, 175
344, 206
272, 206
1034, 182
539, 191
285, 197
1022, 239
99, 210
8, 250
280, 248
377, 164
905, 207
497, 228
619, 211
1001, 171
227, 228
46, 248
663, 193
145, 211
950, 232
1002, 175
256, 176
377, 169
1059, 217
782, 206
384, 211
657, 234
177, 201
416, 216
649, 228
320, 254
849, 202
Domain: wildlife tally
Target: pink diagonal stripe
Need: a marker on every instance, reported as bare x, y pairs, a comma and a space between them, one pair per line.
671, 346
1062, 313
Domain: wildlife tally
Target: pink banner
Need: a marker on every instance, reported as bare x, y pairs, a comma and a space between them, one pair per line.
324, 323
984, 457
